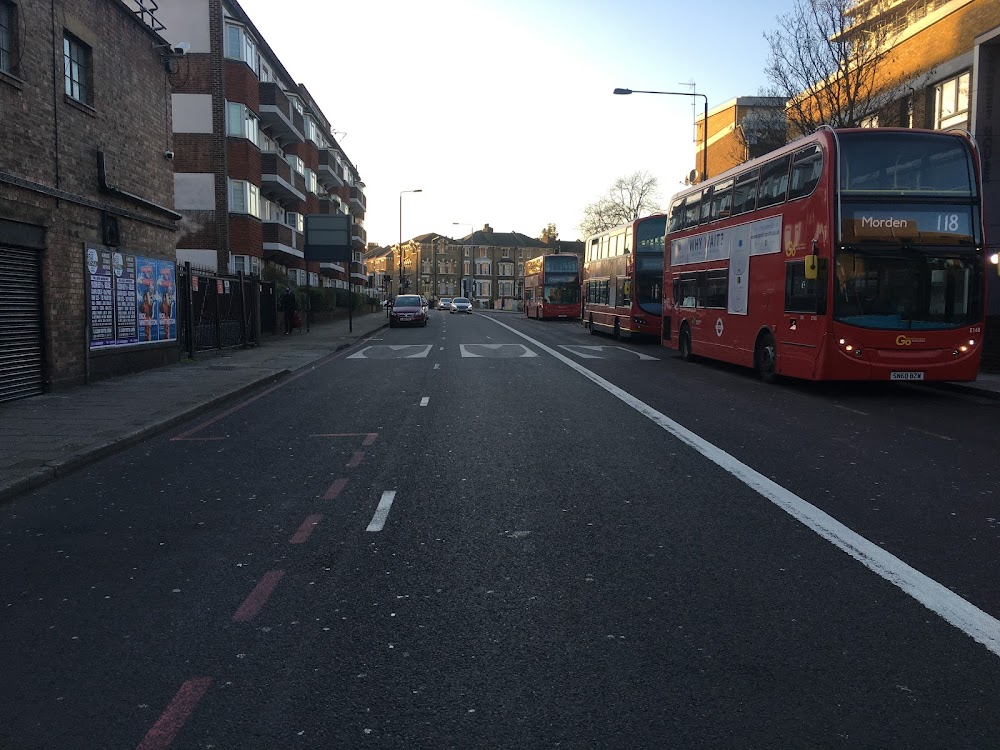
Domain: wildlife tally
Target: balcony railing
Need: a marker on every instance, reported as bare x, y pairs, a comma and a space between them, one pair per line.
277, 112
278, 179
357, 198
330, 170
281, 241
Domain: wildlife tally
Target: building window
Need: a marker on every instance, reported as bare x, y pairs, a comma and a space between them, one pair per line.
241, 46
520, 269
242, 123
298, 165
483, 288
505, 269
248, 264
76, 69
8, 30
244, 198
271, 211
506, 288
295, 221
951, 103
465, 268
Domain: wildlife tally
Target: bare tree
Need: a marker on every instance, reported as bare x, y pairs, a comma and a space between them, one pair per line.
627, 199
760, 132
832, 60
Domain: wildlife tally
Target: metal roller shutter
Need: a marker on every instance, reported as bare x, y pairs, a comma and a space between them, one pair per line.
20, 324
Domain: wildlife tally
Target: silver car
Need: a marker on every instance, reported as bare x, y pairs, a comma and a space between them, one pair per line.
444, 303
461, 304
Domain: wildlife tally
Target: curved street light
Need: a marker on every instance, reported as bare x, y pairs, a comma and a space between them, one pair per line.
400, 246
704, 132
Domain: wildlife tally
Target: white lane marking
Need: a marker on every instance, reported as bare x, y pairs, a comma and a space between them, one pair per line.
425, 350
466, 352
382, 511
932, 434
855, 411
601, 349
425, 400
974, 622
437, 367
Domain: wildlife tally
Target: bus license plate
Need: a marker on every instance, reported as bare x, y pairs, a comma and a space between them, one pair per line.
906, 376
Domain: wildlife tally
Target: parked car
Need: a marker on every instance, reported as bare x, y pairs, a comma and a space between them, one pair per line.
407, 310
461, 304
444, 303
423, 301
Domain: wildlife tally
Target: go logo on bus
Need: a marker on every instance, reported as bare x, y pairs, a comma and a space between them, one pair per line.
902, 340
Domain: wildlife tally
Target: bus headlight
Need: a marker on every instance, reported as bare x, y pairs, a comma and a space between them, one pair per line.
849, 347
995, 258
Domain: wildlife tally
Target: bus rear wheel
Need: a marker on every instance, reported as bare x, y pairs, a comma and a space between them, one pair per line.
684, 344
765, 358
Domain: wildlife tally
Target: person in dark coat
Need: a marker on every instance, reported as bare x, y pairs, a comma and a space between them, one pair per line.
288, 305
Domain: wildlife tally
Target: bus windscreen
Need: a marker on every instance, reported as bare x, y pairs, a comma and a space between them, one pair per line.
905, 164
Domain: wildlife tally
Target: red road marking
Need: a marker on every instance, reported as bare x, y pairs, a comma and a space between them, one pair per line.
171, 721
370, 438
356, 459
306, 528
258, 597
335, 489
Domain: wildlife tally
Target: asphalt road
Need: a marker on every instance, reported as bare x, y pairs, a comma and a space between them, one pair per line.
503, 533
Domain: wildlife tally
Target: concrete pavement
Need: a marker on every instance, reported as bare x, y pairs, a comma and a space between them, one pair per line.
51, 435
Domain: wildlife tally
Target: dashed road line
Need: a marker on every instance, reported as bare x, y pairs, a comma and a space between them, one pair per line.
382, 511
255, 602
306, 529
176, 714
335, 489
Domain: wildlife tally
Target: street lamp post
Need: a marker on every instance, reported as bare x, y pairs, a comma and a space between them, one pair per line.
472, 260
704, 132
400, 246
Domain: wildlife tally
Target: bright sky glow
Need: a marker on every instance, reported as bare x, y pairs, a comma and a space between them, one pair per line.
501, 111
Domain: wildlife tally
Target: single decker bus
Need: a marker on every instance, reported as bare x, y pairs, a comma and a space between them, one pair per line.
849, 254
623, 279
552, 286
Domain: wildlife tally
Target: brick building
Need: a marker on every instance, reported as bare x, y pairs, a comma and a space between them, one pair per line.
255, 153
486, 266
87, 228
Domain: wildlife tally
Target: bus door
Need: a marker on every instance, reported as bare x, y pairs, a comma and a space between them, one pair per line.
803, 328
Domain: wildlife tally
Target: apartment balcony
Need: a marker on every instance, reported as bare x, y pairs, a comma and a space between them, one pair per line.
359, 237
332, 270
357, 200
329, 204
331, 171
277, 180
282, 243
277, 112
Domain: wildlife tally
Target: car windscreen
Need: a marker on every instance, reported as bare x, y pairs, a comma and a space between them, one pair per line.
461, 300
408, 301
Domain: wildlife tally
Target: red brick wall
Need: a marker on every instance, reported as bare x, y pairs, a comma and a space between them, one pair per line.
244, 160
193, 153
242, 85
246, 235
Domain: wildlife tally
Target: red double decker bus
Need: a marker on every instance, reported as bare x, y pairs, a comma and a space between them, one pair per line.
623, 279
850, 254
552, 286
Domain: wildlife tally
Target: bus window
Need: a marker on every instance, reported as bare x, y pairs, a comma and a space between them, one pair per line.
692, 211
807, 165
686, 290
706, 204
628, 239
592, 251
716, 288
745, 192
773, 182
722, 200
676, 220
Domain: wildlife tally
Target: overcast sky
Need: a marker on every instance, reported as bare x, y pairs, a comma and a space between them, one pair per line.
501, 111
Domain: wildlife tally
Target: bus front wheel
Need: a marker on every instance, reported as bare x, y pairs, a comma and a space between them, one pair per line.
765, 358
684, 345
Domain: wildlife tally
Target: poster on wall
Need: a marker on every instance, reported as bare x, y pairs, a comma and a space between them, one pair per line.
133, 300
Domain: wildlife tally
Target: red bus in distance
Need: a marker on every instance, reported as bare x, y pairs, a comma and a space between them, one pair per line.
552, 286
850, 254
623, 279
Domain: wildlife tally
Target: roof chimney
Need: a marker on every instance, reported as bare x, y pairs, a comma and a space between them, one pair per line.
488, 229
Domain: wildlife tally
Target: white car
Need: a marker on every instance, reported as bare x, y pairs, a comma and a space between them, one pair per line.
444, 303
461, 304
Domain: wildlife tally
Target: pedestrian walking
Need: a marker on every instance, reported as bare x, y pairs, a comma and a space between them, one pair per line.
289, 306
